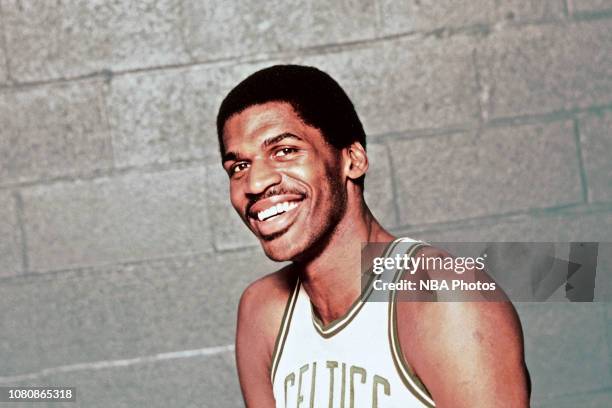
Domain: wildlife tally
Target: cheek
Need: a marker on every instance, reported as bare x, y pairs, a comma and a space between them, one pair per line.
304, 173
310, 169
235, 198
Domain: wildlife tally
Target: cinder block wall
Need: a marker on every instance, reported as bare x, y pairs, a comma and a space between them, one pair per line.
121, 262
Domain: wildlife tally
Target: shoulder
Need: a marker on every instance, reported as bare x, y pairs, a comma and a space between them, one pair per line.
447, 326
480, 343
269, 292
260, 315
267, 295
467, 353
262, 306
457, 316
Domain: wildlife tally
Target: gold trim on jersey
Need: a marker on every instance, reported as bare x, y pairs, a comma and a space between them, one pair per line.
408, 376
343, 321
340, 323
284, 329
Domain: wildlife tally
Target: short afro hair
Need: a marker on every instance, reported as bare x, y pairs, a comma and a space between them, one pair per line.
314, 95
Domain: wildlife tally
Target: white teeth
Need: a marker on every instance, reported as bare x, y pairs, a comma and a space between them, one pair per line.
277, 209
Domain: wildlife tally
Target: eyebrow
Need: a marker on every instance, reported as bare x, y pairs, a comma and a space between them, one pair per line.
229, 156
233, 156
278, 138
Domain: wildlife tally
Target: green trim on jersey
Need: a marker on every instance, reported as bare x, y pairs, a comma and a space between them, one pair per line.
408, 376
340, 323
284, 329
335, 326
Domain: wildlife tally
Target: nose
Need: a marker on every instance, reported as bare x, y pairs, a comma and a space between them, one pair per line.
261, 176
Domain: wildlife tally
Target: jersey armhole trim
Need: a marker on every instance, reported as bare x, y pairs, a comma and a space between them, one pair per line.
284, 329
408, 376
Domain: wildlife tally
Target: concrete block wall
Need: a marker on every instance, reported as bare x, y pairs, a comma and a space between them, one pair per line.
121, 262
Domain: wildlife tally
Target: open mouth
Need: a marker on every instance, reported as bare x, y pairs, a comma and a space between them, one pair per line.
276, 210
274, 215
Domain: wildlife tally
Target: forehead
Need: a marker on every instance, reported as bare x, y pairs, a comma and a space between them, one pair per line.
264, 120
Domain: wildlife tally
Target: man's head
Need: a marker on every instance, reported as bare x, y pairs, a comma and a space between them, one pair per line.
293, 147
314, 95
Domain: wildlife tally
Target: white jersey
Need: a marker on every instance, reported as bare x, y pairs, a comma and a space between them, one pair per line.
354, 362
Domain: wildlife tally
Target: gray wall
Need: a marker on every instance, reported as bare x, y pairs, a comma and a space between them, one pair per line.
121, 262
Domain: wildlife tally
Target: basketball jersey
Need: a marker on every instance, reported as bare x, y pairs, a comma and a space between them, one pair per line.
354, 362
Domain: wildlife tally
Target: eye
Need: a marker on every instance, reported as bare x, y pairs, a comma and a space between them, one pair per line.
238, 167
285, 151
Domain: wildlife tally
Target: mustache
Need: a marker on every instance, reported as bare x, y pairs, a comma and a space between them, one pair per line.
271, 192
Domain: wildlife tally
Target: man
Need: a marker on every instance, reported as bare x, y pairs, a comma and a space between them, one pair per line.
294, 149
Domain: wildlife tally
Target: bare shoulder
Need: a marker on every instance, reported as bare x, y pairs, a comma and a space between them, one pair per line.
435, 327
261, 310
269, 292
466, 353
263, 303
260, 315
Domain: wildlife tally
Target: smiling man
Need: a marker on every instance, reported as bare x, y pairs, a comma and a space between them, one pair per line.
295, 152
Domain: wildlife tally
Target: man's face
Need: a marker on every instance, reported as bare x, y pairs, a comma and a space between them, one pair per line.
286, 182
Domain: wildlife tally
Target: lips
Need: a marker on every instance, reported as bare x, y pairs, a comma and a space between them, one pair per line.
275, 214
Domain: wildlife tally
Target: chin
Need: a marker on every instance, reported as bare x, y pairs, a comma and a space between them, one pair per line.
277, 256
281, 249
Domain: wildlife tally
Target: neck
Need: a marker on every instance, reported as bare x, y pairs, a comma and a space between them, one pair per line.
332, 278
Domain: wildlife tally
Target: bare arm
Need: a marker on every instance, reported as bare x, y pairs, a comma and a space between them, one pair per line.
468, 354
472, 356
259, 319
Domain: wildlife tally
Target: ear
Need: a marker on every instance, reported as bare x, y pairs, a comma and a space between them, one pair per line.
356, 161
